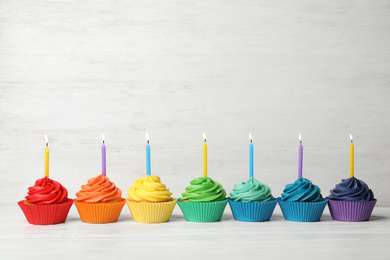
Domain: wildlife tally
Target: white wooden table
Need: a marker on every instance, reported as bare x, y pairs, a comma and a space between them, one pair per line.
179, 239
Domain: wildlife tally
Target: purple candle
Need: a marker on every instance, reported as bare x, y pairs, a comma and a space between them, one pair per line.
300, 158
103, 157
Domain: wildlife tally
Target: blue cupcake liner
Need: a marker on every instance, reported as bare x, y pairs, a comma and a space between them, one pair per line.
302, 211
252, 211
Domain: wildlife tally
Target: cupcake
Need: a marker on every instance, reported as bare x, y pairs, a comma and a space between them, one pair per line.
252, 201
351, 200
150, 201
203, 201
47, 203
99, 201
302, 201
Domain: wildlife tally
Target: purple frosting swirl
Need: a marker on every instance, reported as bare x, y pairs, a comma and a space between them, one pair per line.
351, 189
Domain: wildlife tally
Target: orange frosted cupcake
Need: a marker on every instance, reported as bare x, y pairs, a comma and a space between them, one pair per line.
99, 201
47, 203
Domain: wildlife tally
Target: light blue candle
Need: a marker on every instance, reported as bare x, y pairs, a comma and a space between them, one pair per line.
250, 157
147, 155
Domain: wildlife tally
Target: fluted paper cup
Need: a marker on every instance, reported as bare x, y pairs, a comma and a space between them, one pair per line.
46, 214
151, 212
351, 211
252, 211
202, 211
302, 211
99, 212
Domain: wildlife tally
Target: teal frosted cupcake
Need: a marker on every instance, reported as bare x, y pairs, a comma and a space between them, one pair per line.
252, 201
203, 201
302, 201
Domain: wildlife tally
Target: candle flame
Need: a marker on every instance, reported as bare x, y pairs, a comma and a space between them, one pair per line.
350, 137
300, 137
204, 137
103, 138
147, 137
250, 137
46, 139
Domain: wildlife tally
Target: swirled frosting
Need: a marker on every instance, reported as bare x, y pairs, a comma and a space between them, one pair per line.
352, 189
302, 190
204, 189
46, 191
251, 191
98, 189
150, 189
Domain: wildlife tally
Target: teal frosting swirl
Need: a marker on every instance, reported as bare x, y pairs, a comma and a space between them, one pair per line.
302, 190
204, 189
251, 191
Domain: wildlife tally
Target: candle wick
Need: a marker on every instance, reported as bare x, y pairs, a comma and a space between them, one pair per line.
204, 140
351, 141
103, 142
147, 141
251, 141
300, 141
47, 144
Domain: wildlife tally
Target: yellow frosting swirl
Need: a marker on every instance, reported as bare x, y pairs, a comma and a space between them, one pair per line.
150, 189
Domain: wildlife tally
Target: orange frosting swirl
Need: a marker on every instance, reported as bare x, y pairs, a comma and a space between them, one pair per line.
99, 189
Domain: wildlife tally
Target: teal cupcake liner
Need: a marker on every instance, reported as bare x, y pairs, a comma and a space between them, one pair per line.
302, 211
252, 211
202, 211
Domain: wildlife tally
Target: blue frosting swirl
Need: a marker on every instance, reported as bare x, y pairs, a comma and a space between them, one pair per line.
351, 189
302, 190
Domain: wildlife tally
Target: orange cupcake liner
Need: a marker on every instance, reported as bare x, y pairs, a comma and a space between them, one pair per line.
46, 214
99, 212
151, 212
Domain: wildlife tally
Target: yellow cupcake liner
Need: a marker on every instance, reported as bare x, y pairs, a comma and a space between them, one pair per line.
99, 212
151, 212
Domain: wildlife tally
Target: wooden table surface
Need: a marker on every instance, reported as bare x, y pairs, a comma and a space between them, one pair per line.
179, 239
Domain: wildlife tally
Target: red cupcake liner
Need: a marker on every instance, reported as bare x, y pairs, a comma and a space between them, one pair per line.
46, 214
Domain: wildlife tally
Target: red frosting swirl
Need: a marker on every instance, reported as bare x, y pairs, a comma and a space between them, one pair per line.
46, 191
99, 189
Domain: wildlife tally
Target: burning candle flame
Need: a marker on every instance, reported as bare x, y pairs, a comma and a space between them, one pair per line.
103, 138
350, 137
147, 137
46, 140
204, 137
300, 137
250, 137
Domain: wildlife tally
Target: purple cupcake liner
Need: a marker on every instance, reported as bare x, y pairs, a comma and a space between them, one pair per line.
252, 211
351, 211
302, 211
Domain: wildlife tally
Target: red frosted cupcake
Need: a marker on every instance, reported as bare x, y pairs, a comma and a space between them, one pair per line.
47, 203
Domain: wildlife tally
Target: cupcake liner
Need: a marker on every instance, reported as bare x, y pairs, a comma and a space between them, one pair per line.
46, 214
202, 211
99, 212
351, 211
151, 212
302, 211
252, 211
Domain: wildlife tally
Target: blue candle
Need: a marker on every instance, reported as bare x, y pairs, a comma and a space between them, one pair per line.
147, 155
250, 157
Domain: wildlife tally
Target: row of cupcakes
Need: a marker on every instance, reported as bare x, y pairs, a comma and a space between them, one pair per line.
100, 201
204, 200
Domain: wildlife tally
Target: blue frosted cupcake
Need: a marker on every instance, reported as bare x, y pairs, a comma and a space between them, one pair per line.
351, 200
302, 201
252, 201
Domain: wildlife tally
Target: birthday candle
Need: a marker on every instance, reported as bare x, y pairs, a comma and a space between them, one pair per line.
204, 156
147, 155
250, 157
103, 156
351, 157
300, 158
47, 157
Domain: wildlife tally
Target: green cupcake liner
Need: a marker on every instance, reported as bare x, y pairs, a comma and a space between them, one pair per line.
202, 211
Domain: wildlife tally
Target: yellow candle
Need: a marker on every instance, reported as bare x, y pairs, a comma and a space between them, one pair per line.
204, 156
47, 157
351, 157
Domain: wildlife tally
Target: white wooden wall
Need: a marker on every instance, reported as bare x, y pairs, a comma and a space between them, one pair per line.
176, 69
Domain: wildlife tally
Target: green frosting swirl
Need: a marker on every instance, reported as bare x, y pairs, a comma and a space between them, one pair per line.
251, 191
204, 189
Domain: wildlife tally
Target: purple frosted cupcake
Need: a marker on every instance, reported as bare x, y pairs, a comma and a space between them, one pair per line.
351, 200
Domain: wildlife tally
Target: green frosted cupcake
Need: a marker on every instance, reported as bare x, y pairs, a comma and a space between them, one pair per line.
203, 201
252, 201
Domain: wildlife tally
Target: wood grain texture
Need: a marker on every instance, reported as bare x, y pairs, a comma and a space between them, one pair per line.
179, 239
77, 69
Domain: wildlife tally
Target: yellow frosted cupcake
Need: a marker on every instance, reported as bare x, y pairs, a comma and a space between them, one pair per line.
150, 201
